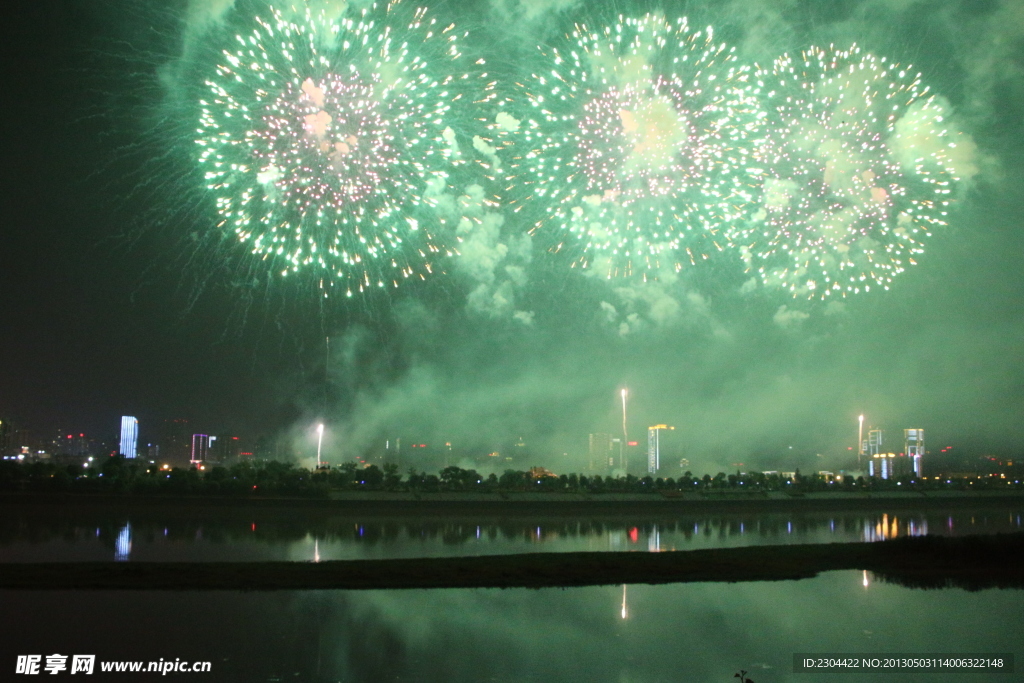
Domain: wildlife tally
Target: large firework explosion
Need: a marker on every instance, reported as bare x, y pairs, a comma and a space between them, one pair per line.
323, 138
634, 139
857, 170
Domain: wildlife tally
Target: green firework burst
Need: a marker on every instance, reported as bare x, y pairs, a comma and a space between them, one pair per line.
858, 169
636, 139
321, 140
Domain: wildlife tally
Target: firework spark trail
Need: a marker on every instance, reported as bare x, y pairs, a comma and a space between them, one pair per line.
858, 169
636, 143
321, 139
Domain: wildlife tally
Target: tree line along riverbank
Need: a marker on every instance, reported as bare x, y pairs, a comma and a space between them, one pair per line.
117, 475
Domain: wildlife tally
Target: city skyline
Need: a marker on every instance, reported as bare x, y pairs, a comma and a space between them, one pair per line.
175, 434
599, 453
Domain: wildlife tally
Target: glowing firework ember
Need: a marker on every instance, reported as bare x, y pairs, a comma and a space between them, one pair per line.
858, 169
636, 143
320, 138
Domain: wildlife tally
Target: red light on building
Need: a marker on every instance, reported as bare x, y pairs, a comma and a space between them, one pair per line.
631, 443
634, 534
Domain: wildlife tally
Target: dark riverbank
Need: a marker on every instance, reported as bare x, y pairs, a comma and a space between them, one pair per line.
517, 504
971, 562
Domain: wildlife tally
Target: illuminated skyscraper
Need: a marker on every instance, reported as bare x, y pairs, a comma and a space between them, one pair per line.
200, 448
890, 466
874, 442
129, 436
880, 465
654, 447
914, 447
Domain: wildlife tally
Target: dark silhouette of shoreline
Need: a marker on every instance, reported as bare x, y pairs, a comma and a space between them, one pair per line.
969, 562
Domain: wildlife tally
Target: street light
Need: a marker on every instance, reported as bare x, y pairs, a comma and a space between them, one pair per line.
860, 442
625, 437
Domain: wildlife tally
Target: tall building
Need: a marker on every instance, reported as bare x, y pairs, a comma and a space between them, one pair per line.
600, 453
6, 438
129, 436
200, 448
914, 447
889, 466
233, 448
393, 451
878, 466
874, 442
76, 445
654, 439
175, 440
216, 450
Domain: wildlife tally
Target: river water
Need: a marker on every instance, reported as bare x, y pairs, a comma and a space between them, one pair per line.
178, 536
618, 634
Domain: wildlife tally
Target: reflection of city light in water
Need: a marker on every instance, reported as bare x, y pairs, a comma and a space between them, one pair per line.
654, 541
917, 529
625, 611
865, 579
123, 545
884, 528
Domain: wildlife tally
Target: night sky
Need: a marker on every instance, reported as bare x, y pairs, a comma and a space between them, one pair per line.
120, 296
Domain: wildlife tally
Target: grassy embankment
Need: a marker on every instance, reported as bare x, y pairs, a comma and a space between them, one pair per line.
972, 562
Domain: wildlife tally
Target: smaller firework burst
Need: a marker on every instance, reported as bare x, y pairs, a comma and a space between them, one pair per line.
634, 140
857, 169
